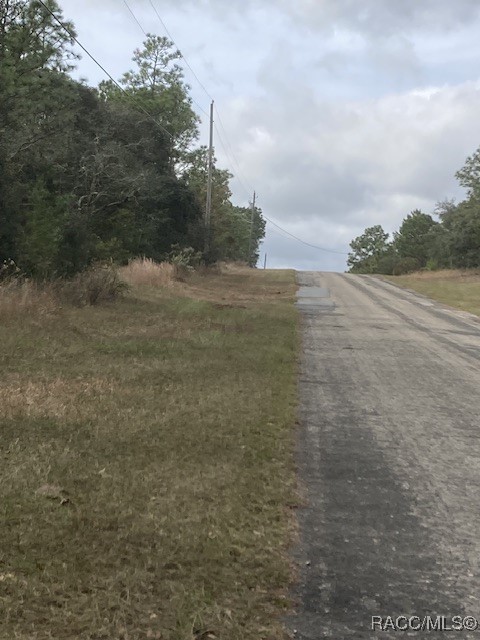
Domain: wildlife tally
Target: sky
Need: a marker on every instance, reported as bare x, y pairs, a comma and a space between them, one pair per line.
340, 114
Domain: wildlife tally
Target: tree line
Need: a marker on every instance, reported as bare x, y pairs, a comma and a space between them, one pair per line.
449, 239
103, 173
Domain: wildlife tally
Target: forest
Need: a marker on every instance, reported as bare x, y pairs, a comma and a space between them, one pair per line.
107, 173
448, 239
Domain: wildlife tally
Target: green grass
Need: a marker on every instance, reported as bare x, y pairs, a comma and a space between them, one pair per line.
460, 289
159, 430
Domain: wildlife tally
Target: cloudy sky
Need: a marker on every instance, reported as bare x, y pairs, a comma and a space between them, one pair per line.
341, 114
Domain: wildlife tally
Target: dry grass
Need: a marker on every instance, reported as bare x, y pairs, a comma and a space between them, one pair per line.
146, 464
18, 298
455, 287
233, 267
457, 275
144, 271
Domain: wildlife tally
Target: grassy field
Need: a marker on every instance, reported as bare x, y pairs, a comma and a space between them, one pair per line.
146, 462
460, 289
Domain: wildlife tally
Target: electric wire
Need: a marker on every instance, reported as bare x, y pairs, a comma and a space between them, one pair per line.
234, 159
134, 17
308, 244
231, 155
129, 96
184, 58
146, 35
237, 177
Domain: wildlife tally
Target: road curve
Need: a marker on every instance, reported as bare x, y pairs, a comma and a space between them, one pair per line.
389, 458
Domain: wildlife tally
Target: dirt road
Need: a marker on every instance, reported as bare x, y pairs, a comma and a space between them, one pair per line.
389, 456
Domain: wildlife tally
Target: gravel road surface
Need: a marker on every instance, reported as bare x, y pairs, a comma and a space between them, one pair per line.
389, 459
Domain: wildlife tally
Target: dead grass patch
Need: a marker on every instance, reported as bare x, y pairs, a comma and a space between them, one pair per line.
58, 398
147, 272
20, 297
462, 275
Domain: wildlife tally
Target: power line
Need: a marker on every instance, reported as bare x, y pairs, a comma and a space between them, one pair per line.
231, 157
247, 191
235, 161
184, 58
308, 244
134, 17
129, 96
146, 35
239, 175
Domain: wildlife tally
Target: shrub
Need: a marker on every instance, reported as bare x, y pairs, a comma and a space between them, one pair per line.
406, 265
386, 264
185, 257
9, 270
99, 283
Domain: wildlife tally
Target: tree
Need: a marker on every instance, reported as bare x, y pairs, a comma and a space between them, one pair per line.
238, 232
464, 235
35, 53
157, 86
367, 249
90, 174
413, 238
41, 237
84, 178
463, 222
469, 175
233, 235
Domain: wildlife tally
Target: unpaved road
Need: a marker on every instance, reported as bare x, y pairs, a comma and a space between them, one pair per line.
389, 457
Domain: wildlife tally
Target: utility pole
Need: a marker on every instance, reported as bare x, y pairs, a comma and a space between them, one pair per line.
208, 208
251, 230
265, 262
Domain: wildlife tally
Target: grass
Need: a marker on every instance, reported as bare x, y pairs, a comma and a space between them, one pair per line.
19, 298
144, 271
456, 288
146, 463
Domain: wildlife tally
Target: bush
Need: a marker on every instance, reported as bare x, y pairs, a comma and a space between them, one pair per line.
99, 283
432, 265
386, 264
186, 257
406, 265
9, 271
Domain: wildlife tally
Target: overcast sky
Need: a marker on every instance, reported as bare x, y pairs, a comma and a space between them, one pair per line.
341, 114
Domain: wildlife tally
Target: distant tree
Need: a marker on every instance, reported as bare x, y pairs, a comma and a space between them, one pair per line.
469, 175
463, 222
464, 235
367, 250
413, 238
444, 208
237, 233
233, 236
387, 262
